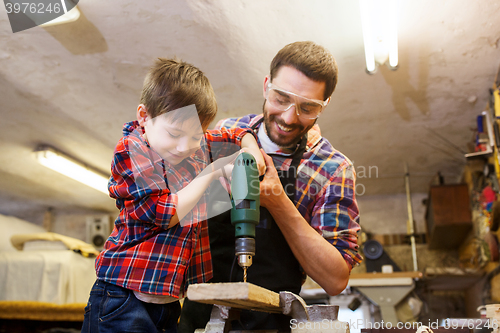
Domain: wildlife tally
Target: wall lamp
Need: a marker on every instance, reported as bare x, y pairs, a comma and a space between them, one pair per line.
68, 166
380, 34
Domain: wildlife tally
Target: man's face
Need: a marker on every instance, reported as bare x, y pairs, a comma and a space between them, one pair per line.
174, 141
285, 128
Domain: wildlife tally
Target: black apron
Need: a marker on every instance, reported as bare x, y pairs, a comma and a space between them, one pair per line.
274, 265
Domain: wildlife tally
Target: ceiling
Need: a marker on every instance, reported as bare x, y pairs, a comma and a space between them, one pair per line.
73, 86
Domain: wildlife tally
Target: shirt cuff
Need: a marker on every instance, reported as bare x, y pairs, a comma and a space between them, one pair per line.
166, 207
239, 133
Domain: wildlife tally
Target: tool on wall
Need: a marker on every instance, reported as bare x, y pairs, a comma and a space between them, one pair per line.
375, 257
411, 223
245, 192
485, 138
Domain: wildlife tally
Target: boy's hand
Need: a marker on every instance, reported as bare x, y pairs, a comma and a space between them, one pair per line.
223, 167
259, 159
249, 145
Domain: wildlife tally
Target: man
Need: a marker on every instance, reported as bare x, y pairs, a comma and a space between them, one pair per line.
309, 215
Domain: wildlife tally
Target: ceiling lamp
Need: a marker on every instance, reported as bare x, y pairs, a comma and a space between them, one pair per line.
72, 168
380, 34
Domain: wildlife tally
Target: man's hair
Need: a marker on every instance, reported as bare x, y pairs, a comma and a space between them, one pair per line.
316, 62
172, 84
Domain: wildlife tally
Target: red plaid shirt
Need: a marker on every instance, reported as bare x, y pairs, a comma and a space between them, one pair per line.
141, 253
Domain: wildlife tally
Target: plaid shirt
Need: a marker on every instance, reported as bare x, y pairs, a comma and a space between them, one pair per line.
141, 253
324, 190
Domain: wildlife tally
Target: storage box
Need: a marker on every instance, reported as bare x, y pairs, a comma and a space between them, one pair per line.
448, 216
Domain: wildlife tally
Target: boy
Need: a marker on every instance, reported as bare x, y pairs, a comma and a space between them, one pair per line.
159, 243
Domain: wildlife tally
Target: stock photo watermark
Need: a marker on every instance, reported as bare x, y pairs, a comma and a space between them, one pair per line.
338, 187
26, 14
364, 172
420, 327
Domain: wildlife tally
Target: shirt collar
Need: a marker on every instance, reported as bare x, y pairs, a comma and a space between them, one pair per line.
269, 146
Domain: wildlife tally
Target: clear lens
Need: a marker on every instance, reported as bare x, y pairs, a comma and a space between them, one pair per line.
281, 100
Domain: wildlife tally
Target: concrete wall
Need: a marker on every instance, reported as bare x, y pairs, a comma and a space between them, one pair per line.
388, 214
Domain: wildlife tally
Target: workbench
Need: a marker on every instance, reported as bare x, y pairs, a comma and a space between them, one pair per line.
385, 290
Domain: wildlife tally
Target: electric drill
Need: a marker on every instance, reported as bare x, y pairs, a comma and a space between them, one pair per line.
245, 191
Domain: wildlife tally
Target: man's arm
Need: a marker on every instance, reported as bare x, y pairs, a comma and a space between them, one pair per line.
320, 260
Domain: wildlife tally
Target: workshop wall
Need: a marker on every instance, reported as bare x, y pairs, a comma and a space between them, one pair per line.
388, 214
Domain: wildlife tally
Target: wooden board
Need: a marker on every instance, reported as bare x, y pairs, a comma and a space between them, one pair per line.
393, 275
30, 310
237, 295
397, 239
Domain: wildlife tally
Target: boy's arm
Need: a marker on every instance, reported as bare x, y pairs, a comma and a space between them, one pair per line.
139, 187
221, 142
188, 197
249, 144
224, 142
138, 184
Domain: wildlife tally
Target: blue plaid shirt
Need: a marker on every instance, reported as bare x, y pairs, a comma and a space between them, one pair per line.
324, 189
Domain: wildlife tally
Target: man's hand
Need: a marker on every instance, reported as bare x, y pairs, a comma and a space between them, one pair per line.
270, 187
320, 260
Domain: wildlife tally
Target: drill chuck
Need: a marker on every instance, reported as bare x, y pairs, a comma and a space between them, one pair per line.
245, 250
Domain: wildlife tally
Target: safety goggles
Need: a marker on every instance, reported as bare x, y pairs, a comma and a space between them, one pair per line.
283, 100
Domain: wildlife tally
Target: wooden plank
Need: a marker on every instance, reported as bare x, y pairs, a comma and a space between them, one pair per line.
31, 310
240, 295
380, 282
397, 239
393, 275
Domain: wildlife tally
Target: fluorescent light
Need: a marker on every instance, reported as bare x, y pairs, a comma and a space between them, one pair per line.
68, 17
366, 9
69, 167
380, 37
392, 37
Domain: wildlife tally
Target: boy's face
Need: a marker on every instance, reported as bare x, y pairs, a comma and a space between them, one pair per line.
173, 141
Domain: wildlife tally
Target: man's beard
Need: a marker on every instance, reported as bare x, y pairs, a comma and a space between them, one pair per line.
279, 139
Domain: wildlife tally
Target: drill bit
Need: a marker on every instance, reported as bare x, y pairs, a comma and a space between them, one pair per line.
244, 274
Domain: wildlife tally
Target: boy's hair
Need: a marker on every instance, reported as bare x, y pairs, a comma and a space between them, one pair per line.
172, 84
316, 62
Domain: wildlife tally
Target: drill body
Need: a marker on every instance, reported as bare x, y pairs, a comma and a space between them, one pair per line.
245, 213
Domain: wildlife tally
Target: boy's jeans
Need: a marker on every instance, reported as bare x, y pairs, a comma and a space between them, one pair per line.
115, 309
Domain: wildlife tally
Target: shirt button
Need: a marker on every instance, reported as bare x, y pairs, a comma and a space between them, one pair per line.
183, 262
